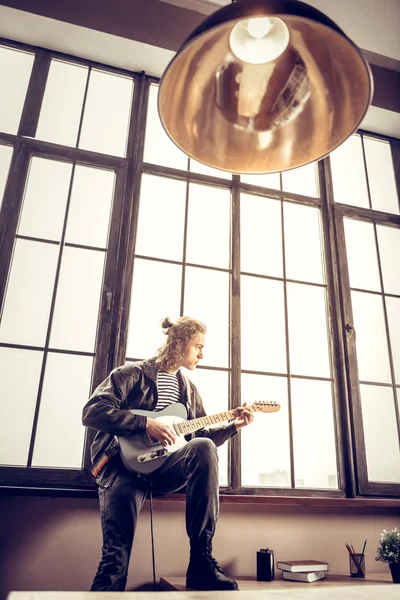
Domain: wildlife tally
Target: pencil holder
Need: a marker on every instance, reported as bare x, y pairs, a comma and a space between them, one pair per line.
357, 565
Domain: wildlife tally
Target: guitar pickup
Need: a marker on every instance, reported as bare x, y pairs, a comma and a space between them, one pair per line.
150, 440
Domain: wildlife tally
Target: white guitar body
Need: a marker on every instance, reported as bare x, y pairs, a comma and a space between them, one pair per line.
142, 454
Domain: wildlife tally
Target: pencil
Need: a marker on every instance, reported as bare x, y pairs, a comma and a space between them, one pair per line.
363, 550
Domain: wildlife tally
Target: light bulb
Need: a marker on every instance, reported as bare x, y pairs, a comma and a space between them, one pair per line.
259, 27
259, 40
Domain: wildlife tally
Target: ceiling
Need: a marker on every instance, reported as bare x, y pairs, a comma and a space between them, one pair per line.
143, 35
373, 25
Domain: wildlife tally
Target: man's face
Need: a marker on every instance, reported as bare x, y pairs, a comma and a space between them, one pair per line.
194, 351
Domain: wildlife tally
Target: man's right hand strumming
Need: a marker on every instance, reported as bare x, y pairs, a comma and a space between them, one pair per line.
160, 431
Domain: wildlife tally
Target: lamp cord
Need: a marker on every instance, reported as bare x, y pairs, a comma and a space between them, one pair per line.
152, 539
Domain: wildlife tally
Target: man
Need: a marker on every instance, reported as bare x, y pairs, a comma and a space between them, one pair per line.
152, 385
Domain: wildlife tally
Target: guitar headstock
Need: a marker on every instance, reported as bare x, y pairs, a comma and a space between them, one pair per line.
267, 407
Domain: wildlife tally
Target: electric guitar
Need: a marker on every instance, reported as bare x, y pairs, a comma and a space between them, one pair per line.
142, 454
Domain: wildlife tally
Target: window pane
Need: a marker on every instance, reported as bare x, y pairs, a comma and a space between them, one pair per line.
156, 294
272, 180
29, 293
393, 313
308, 336
107, 113
301, 181
161, 218
313, 434
208, 233
362, 259
380, 431
91, 201
158, 148
389, 249
262, 325
65, 90
5, 160
197, 167
77, 302
381, 179
210, 308
19, 389
397, 392
213, 389
348, 173
61, 411
45, 199
260, 235
303, 243
371, 342
15, 72
265, 444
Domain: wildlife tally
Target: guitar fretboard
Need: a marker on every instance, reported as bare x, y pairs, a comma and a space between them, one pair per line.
194, 424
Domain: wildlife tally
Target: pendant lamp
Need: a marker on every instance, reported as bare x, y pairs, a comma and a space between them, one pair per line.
263, 86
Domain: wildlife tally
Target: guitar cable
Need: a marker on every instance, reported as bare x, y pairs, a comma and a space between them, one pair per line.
152, 538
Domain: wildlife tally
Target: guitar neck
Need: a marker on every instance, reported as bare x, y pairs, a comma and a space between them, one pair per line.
195, 424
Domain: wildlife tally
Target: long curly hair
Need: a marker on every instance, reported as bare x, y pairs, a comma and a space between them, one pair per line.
178, 335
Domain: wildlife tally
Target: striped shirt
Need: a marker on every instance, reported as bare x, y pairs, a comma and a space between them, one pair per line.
168, 390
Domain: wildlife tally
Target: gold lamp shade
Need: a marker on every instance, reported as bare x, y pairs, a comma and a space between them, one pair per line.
263, 86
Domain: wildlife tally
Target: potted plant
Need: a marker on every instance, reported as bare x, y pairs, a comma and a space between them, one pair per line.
389, 551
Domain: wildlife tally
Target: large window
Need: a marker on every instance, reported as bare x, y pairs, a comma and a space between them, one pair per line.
368, 226
106, 228
60, 224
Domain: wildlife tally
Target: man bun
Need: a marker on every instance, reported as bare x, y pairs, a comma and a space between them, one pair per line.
166, 325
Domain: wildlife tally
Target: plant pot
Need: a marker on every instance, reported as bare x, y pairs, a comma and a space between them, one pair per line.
395, 570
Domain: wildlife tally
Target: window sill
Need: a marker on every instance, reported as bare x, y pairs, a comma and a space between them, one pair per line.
325, 504
298, 501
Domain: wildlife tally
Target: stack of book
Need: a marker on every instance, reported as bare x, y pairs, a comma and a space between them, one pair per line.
303, 570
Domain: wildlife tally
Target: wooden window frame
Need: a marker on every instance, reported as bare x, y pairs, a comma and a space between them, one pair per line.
363, 485
110, 350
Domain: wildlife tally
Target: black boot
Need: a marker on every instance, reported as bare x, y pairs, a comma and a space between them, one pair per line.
204, 573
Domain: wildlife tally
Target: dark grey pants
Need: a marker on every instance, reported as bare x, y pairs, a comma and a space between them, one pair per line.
196, 466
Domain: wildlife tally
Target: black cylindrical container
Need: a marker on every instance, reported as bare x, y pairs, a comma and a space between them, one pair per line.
265, 565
